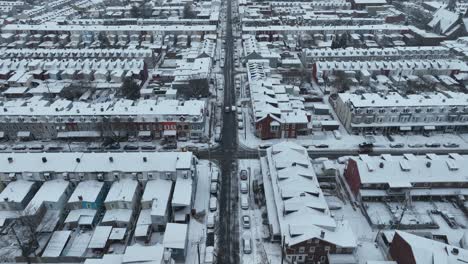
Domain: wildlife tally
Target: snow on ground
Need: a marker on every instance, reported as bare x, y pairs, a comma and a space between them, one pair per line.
197, 230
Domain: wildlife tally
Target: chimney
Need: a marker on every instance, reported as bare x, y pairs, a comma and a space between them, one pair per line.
10, 160
145, 159
322, 234
381, 165
44, 159
78, 160
80, 197
111, 159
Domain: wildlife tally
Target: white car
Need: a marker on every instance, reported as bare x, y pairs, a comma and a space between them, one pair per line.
211, 221
214, 188
247, 245
244, 202
213, 204
240, 125
244, 187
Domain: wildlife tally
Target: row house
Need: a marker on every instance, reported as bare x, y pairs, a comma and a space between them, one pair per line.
108, 167
298, 214
397, 178
416, 67
122, 203
85, 204
146, 55
88, 32
42, 119
310, 56
393, 112
277, 110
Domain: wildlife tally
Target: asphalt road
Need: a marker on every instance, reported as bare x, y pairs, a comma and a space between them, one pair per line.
228, 243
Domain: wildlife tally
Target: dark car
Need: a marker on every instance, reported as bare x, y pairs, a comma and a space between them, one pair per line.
433, 145
148, 147
131, 147
321, 146
243, 175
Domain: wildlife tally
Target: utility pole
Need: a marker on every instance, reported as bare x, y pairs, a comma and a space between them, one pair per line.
282, 250
198, 251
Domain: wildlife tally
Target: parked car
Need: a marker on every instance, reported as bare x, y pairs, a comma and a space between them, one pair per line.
211, 221
433, 145
54, 148
244, 187
321, 146
246, 221
131, 147
148, 147
415, 145
215, 176
227, 109
451, 145
3, 147
214, 188
36, 147
397, 145
244, 202
19, 147
240, 125
243, 175
213, 204
246, 245
265, 146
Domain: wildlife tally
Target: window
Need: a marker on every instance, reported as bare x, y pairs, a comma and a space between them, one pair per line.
322, 258
299, 258
312, 249
327, 248
301, 250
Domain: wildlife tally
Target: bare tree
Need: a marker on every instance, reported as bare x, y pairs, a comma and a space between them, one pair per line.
24, 230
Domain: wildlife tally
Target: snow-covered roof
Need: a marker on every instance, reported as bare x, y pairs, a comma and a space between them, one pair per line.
16, 191
50, 191
106, 28
409, 169
86, 191
428, 251
122, 190
158, 191
443, 20
96, 162
297, 201
81, 216
144, 254
182, 192
394, 99
100, 237
56, 244
175, 236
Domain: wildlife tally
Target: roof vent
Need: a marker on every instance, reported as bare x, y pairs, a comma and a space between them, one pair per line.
428, 164
44, 159
78, 160
455, 251
10, 159
111, 159
145, 159
5, 199
381, 165
80, 197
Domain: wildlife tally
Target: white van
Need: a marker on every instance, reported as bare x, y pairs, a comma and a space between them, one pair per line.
244, 202
213, 204
210, 255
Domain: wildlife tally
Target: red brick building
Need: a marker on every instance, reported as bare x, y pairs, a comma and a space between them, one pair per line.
407, 248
